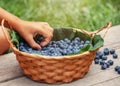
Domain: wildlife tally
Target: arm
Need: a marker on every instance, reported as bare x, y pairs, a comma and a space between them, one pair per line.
12, 20
28, 29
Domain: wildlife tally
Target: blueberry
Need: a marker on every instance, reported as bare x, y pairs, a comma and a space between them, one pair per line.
55, 45
82, 42
81, 46
110, 62
70, 47
61, 46
115, 56
85, 45
98, 52
39, 39
112, 51
77, 38
21, 43
67, 40
54, 54
96, 61
104, 57
106, 51
53, 42
97, 57
24, 50
87, 42
57, 53
69, 51
75, 50
71, 44
64, 52
30, 50
116, 68
118, 71
38, 52
100, 55
38, 42
21, 48
104, 66
102, 62
66, 46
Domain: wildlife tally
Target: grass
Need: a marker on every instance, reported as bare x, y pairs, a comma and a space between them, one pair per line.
86, 14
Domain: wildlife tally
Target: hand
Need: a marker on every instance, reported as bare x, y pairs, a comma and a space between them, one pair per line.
28, 31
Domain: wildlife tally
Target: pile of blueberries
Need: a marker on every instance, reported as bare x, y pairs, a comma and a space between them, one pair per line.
101, 58
56, 48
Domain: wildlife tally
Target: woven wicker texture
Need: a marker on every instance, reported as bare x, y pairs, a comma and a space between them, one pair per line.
55, 70
59, 69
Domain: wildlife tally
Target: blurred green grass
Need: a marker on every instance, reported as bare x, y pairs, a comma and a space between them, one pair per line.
84, 14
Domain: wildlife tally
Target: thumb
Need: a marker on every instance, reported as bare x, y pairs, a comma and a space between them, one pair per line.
32, 43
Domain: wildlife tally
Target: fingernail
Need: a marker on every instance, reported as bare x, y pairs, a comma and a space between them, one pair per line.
39, 48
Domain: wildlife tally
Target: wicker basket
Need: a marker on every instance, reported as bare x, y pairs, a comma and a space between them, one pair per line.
60, 69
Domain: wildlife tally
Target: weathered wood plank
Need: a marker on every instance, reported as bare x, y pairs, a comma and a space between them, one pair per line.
112, 82
22, 82
112, 35
9, 67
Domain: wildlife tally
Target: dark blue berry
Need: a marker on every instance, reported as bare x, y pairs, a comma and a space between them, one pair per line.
81, 46
102, 62
112, 51
61, 46
69, 51
30, 50
24, 50
118, 71
64, 52
104, 66
97, 57
82, 42
87, 42
96, 61
67, 40
21, 43
100, 55
98, 52
110, 62
116, 68
21, 48
77, 38
115, 56
106, 51
104, 57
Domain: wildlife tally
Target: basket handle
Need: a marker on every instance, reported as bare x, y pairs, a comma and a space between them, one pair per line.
6, 35
107, 26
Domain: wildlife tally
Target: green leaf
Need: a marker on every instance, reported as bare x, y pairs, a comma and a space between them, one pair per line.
97, 42
14, 38
86, 48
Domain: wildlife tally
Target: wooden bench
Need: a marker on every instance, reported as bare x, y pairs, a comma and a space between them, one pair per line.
11, 75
